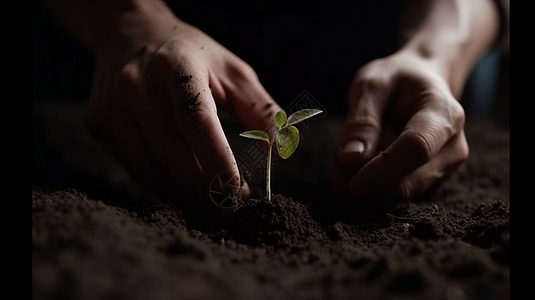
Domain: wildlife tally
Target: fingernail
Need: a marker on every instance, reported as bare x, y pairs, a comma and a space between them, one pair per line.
354, 146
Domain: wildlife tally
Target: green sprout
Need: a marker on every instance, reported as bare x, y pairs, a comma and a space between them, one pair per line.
286, 139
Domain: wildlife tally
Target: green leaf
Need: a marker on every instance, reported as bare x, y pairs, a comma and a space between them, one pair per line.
280, 119
256, 134
302, 115
287, 140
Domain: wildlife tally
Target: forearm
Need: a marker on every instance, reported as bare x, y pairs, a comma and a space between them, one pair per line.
452, 33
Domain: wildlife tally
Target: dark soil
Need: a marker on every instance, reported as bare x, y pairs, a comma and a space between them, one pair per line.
191, 103
96, 235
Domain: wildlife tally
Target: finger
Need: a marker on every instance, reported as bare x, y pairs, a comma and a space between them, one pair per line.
423, 137
196, 115
241, 93
450, 158
360, 135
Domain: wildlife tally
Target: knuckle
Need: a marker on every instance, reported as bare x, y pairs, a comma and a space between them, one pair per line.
458, 116
359, 123
171, 55
127, 78
446, 108
241, 71
203, 113
415, 185
164, 58
367, 120
368, 83
421, 144
177, 67
465, 153
462, 154
402, 191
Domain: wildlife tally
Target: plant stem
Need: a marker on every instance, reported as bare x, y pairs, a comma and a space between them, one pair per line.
268, 173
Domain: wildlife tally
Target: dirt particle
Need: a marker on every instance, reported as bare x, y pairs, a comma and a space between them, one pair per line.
182, 77
191, 105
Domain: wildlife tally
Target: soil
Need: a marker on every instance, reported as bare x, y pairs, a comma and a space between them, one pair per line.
97, 235
192, 104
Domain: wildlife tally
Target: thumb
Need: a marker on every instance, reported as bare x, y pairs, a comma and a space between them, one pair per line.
358, 143
361, 132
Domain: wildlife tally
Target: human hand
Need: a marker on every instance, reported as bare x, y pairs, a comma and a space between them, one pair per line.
402, 134
154, 106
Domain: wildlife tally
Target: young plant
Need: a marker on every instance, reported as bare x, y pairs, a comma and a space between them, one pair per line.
286, 139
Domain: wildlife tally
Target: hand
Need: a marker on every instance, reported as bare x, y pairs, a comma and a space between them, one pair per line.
402, 134
154, 106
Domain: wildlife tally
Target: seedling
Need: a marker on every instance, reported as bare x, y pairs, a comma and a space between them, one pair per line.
286, 139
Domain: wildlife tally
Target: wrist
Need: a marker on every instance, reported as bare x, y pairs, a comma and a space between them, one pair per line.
446, 54
445, 61
453, 34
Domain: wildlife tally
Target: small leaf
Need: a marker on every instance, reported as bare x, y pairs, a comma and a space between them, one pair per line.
256, 134
302, 115
280, 119
287, 140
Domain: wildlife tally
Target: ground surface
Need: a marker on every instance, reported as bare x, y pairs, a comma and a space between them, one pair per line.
90, 242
